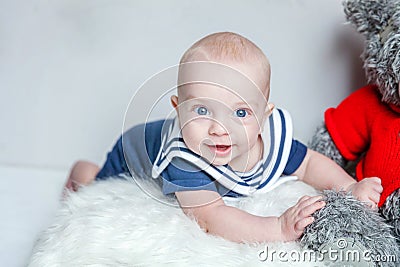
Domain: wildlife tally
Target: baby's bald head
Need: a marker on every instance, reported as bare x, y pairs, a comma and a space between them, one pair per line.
233, 50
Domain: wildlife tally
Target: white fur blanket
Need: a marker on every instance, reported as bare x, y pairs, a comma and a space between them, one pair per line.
114, 223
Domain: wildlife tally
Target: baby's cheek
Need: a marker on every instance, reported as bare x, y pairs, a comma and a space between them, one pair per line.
253, 131
191, 138
191, 144
253, 136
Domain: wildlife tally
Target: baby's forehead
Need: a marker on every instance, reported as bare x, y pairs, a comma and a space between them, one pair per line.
237, 77
200, 93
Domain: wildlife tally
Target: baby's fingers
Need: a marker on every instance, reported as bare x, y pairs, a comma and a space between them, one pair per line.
68, 185
307, 201
374, 196
303, 198
374, 180
302, 224
371, 198
304, 215
311, 208
373, 205
378, 188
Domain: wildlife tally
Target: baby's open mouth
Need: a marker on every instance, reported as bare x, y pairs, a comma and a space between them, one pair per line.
220, 150
222, 147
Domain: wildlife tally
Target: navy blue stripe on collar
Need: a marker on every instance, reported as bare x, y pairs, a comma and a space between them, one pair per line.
281, 145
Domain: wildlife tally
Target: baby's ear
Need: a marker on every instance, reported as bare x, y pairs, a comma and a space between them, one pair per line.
268, 111
270, 108
174, 101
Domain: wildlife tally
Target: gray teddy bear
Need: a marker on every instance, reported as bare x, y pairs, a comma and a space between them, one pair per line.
364, 129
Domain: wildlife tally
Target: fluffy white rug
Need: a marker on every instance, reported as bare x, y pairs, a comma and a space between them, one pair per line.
114, 223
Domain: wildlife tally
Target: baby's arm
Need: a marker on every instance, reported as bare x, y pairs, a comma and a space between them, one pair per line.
214, 217
323, 173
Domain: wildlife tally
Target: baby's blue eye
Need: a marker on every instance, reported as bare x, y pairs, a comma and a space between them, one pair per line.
241, 113
201, 111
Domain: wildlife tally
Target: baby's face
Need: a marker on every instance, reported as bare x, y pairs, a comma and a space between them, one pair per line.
221, 119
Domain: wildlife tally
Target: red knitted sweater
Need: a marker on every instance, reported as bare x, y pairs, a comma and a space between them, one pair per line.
363, 126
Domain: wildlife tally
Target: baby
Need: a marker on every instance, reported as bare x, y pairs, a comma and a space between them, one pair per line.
227, 140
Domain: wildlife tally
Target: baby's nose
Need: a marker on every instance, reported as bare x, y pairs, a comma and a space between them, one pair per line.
217, 128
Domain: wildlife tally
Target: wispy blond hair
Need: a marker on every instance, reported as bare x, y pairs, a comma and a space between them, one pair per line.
230, 47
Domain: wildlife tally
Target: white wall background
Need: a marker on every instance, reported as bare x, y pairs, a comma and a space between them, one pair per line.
68, 68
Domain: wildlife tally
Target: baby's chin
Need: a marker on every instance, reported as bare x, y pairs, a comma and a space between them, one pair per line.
219, 162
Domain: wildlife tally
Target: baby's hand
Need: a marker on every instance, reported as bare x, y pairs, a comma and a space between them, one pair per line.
73, 184
294, 220
367, 190
82, 173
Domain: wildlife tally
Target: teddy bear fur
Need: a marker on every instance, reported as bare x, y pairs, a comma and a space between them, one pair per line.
348, 221
379, 23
